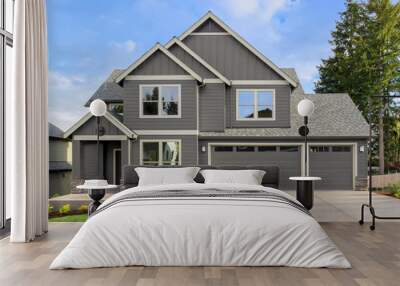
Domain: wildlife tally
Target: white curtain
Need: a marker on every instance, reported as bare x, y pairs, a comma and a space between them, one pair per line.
27, 123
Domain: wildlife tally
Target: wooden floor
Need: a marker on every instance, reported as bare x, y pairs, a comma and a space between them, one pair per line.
375, 257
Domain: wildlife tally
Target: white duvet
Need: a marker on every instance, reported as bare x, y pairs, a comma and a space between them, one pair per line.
193, 231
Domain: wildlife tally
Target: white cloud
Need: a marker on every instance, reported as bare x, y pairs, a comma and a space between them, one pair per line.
262, 10
59, 80
127, 46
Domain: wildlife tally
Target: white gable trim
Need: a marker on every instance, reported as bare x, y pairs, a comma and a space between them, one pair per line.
143, 58
109, 117
267, 61
198, 58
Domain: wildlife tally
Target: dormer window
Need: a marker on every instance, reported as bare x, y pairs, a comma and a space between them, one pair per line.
255, 104
160, 101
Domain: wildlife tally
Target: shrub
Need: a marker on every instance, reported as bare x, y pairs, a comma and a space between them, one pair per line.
51, 208
394, 189
65, 209
83, 208
55, 195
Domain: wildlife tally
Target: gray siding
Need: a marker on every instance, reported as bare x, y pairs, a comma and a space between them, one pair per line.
209, 26
362, 159
76, 159
88, 159
189, 148
282, 107
188, 120
230, 57
159, 64
212, 107
191, 61
90, 127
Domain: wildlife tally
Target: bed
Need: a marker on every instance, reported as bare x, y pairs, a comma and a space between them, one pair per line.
197, 224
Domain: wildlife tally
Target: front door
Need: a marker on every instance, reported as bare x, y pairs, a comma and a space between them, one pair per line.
117, 166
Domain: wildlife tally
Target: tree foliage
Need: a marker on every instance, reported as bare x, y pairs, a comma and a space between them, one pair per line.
365, 61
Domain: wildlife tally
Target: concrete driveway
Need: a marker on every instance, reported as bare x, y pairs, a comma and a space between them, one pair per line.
334, 206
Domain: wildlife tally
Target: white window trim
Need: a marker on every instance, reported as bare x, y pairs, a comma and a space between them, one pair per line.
255, 105
141, 115
160, 149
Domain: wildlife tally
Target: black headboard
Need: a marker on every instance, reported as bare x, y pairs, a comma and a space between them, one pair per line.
271, 178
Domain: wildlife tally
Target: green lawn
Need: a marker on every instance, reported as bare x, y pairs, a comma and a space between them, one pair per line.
70, 218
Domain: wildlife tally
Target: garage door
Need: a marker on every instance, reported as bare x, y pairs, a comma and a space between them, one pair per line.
334, 164
287, 158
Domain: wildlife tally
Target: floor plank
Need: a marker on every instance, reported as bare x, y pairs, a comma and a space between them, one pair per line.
375, 257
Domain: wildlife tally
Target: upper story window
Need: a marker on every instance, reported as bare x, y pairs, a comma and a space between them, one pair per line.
116, 108
160, 101
255, 104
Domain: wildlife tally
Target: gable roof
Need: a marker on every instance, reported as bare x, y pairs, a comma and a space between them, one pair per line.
109, 90
122, 127
235, 35
178, 42
155, 48
335, 115
55, 132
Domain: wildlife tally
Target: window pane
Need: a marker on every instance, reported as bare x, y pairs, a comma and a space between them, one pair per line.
170, 93
341, 148
150, 108
319, 149
150, 93
170, 108
170, 154
266, 148
246, 112
289, 148
150, 152
245, 149
223, 149
246, 98
9, 10
264, 111
264, 98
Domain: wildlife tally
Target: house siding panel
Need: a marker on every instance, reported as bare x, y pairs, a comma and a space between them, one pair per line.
189, 148
212, 107
90, 127
191, 62
230, 57
188, 120
159, 64
282, 107
209, 26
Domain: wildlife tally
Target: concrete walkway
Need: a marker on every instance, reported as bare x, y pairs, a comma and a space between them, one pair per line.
329, 206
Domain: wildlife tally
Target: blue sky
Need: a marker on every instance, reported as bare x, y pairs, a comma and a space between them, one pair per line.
89, 38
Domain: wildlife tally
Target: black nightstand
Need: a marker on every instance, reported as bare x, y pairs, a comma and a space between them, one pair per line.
305, 190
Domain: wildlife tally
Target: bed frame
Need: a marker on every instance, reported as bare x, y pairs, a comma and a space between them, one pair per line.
130, 178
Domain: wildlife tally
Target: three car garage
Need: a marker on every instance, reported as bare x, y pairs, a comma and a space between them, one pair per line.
334, 163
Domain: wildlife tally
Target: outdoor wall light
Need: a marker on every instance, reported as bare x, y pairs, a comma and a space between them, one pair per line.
98, 108
362, 148
305, 108
203, 149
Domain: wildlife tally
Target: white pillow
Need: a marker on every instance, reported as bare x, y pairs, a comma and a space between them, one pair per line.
166, 176
248, 177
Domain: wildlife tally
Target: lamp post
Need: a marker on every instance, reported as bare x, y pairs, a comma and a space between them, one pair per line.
305, 108
98, 108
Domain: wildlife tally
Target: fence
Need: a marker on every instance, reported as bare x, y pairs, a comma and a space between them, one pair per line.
381, 181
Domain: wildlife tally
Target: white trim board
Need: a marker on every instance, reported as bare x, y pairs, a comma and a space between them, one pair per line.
159, 77
235, 35
109, 117
157, 47
102, 138
259, 82
159, 148
166, 132
176, 41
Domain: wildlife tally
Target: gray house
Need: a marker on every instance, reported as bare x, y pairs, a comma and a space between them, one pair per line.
209, 97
